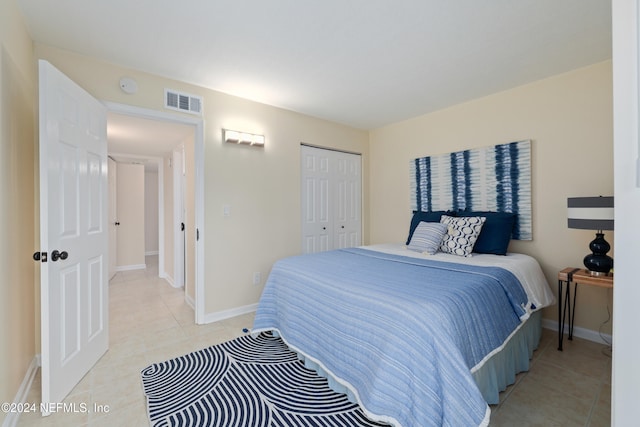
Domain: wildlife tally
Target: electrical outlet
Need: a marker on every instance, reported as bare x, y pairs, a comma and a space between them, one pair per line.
257, 278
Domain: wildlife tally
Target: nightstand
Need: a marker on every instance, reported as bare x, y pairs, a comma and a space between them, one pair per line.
576, 276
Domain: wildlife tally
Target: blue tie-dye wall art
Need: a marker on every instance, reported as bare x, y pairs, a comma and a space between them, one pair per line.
496, 178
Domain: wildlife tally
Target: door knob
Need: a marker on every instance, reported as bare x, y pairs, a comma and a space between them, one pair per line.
40, 256
117, 223
55, 255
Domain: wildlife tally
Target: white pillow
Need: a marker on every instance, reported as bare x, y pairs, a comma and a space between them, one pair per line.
427, 237
462, 234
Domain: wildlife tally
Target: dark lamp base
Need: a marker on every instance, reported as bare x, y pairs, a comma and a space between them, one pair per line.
598, 263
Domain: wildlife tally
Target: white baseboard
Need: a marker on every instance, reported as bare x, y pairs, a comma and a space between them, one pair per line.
21, 397
227, 314
190, 301
579, 332
149, 253
169, 280
131, 267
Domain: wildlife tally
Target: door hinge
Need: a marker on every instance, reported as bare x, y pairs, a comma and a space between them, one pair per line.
40, 256
197, 234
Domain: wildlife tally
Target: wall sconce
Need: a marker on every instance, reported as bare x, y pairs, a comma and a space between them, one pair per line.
236, 137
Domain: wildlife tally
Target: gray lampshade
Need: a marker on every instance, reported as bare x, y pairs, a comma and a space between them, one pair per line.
590, 213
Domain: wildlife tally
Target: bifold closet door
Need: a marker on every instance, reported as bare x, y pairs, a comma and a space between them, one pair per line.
331, 199
347, 200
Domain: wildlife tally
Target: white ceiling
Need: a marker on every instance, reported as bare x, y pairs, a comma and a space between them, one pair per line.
137, 140
364, 63
139, 136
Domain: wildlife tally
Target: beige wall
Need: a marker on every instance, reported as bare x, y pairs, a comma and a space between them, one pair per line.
262, 188
167, 206
130, 205
18, 232
151, 212
569, 120
260, 184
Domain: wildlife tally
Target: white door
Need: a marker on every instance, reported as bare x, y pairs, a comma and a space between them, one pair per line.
317, 223
347, 201
130, 196
113, 216
73, 222
331, 199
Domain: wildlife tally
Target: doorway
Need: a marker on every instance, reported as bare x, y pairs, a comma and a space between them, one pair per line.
151, 138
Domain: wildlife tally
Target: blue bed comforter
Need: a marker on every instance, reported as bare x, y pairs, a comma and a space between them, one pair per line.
401, 333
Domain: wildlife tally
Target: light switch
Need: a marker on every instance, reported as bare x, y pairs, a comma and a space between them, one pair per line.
257, 278
226, 210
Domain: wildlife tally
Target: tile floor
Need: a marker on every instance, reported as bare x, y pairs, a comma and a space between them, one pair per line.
150, 322
561, 388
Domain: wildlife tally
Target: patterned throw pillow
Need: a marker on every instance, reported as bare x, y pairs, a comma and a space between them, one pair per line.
427, 237
461, 235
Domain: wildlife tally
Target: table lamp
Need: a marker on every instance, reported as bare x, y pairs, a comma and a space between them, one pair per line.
593, 213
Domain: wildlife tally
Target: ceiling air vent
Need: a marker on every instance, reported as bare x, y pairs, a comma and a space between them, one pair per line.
181, 101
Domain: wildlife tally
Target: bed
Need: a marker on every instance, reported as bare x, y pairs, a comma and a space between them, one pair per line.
415, 339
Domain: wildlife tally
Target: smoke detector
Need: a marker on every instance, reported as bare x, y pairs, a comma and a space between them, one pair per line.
128, 85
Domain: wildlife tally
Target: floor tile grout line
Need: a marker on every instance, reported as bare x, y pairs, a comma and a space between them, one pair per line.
593, 405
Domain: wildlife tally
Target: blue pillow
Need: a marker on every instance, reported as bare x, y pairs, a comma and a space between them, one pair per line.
420, 216
496, 232
427, 237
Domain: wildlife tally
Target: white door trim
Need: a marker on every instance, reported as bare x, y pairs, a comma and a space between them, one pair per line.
198, 123
112, 216
179, 267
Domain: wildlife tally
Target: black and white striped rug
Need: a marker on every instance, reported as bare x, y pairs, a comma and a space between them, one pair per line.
244, 382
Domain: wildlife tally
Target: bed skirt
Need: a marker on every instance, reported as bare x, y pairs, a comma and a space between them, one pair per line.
494, 376
500, 370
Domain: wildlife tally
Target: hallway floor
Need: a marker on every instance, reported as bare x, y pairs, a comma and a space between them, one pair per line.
149, 322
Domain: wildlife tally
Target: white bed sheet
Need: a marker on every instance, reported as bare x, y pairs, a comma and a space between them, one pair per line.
524, 267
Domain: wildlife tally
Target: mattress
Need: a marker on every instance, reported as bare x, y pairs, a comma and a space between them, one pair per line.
401, 333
